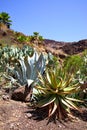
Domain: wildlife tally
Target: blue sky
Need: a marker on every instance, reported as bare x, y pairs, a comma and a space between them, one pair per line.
61, 20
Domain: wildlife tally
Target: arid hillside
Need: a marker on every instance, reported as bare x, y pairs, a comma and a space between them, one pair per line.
67, 47
57, 48
18, 114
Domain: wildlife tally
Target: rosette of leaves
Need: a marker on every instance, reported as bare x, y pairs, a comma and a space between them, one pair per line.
53, 93
27, 68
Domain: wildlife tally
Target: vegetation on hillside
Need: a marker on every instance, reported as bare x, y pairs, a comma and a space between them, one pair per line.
55, 85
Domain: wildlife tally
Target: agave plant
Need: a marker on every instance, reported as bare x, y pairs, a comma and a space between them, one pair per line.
27, 68
53, 92
24, 75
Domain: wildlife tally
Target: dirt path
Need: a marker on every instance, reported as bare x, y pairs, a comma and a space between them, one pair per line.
17, 116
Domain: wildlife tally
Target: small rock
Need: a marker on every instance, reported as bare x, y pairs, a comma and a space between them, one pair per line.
29, 115
5, 97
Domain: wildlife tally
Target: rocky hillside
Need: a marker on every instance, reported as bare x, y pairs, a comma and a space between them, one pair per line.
65, 48
58, 48
75, 47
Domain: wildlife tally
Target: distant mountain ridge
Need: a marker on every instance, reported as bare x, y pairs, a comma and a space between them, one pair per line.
67, 47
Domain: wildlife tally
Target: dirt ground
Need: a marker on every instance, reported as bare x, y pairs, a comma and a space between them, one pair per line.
19, 116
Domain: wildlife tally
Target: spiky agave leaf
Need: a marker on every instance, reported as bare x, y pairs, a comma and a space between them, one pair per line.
53, 107
55, 91
18, 74
46, 101
23, 68
40, 63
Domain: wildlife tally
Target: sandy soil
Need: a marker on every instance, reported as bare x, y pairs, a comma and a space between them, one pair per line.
19, 116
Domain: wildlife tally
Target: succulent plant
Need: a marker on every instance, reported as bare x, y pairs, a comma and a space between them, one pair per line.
9, 55
53, 92
27, 68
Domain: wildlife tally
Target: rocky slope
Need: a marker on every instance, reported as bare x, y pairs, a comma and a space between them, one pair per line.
67, 47
58, 48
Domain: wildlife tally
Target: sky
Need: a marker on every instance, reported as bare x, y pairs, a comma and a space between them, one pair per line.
60, 20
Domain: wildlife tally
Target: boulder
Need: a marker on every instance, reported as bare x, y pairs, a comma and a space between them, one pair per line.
22, 93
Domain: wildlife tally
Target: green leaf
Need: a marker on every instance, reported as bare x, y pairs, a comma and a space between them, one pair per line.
65, 103
72, 104
46, 101
73, 99
71, 88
